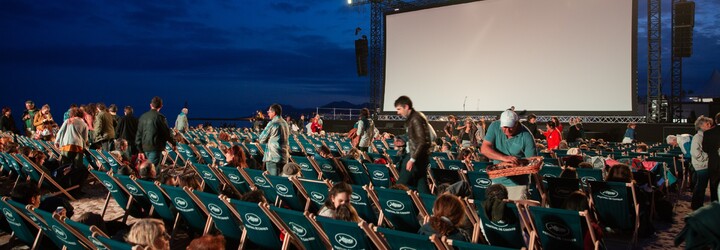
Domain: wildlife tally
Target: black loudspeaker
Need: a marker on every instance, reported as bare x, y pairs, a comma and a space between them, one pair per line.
361, 55
683, 23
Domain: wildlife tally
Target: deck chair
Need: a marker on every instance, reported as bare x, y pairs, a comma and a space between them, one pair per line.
22, 227
559, 189
356, 171
549, 171
440, 155
439, 176
295, 148
347, 235
309, 148
69, 238
36, 174
329, 169
235, 178
209, 177
286, 192
315, 192
561, 229
221, 216
257, 179
479, 181
345, 146
361, 202
161, 204
396, 208
195, 216
260, 229
616, 205
206, 155
98, 159
462, 245
424, 202
589, 174
114, 163
14, 166
307, 168
89, 232
453, 165
497, 233
186, 153
399, 240
174, 156
35, 220
302, 228
254, 150
136, 192
217, 155
379, 174
118, 193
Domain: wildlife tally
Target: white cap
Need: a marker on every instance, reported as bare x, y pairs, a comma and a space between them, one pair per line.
508, 118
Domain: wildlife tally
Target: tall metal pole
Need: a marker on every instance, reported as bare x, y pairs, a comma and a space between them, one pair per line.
676, 90
376, 53
654, 69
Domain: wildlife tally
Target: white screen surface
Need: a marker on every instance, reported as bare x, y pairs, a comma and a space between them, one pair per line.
549, 55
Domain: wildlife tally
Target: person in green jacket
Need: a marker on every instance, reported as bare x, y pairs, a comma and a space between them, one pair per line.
152, 134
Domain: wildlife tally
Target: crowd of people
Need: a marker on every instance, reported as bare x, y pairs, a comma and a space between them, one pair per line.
139, 144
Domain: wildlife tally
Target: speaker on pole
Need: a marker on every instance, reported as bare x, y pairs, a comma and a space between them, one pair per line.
683, 23
361, 56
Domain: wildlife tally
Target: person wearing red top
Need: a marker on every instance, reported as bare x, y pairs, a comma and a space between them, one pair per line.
553, 136
315, 126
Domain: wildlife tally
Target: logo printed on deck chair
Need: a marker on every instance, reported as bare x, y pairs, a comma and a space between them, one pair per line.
345, 240
585, 179
483, 182
259, 181
253, 219
355, 198
109, 186
557, 229
235, 179
377, 174
208, 176
10, 218
97, 243
282, 189
59, 233
181, 203
454, 167
133, 190
305, 167
354, 169
327, 168
317, 197
395, 205
216, 211
154, 197
407, 248
297, 229
609, 193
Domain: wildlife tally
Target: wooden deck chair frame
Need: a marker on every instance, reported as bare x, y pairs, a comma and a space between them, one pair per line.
109, 195
382, 218
83, 240
45, 177
415, 197
289, 238
24, 217
526, 220
209, 152
253, 186
304, 193
209, 223
313, 165
243, 237
636, 210
176, 220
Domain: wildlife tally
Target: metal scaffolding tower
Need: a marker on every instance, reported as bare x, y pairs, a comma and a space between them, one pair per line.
656, 109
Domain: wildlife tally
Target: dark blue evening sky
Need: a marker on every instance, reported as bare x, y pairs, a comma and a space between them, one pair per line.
225, 58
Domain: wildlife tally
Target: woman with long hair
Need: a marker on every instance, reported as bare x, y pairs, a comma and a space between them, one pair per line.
447, 219
339, 195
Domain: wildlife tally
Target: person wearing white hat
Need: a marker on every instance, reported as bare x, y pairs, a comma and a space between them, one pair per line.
508, 141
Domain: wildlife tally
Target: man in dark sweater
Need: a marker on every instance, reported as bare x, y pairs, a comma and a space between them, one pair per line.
152, 134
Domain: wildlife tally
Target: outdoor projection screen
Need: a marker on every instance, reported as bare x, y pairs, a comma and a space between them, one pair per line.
542, 55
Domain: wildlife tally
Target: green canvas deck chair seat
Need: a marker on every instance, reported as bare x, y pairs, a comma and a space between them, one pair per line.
206, 155
616, 205
174, 155
14, 167
589, 174
380, 146
347, 235
479, 181
480, 165
69, 238
194, 215
286, 192
295, 148
559, 189
379, 174
36, 221
424, 202
439, 176
374, 156
37, 175
140, 200
257, 179
309, 148
330, 170
307, 168
235, 178
301, 227
315, 192
89, 232
260, 229
218, 155
453, 165
161, 204
399, 240
221, 216
561, 229
111, 160
397, 208
99, 160
254, 151
209, 177
22, 228
345, 146
506, 233
186, 153
356, 171
549, 171
119, 194
551, 161
440, 156
361, 202
462, 245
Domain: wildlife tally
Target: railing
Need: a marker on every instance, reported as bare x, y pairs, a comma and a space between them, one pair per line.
338, 113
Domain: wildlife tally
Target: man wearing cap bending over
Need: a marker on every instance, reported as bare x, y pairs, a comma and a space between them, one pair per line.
507, 141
